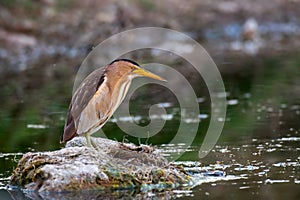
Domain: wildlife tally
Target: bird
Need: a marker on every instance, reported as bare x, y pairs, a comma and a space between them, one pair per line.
98, 96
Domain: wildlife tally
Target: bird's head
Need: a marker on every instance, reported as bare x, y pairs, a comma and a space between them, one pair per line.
129, 69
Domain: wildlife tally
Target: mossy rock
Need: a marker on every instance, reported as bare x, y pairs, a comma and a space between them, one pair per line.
112, 165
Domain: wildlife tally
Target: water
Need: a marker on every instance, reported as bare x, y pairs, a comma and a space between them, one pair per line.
257, 155
260, 168
260, 164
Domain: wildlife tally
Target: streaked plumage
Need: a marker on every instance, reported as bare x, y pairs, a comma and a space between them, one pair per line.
98, 96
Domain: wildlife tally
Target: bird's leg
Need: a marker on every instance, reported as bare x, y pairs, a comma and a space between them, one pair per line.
124, 138
90, 142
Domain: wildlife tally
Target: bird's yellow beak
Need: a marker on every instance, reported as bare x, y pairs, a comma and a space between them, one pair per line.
141, 72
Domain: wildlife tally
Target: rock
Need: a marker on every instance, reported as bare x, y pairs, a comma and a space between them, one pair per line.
250, 30
17, 39
113, 165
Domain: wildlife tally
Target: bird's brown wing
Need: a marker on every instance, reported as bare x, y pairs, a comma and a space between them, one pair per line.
81, 98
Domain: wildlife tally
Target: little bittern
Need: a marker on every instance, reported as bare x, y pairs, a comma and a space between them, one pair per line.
98, 96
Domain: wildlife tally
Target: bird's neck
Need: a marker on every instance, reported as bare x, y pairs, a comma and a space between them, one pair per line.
119, 91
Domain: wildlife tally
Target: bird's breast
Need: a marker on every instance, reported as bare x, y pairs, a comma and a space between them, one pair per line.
102, 106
